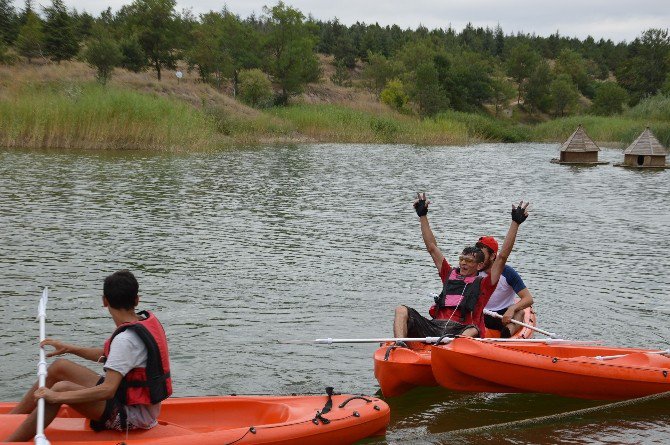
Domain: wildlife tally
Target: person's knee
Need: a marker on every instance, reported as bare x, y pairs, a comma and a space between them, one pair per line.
64, 385
470, 332
59, 369
401, 312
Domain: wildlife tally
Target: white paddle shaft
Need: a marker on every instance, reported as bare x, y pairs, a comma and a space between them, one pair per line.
610, 357
330, 341
40, 438
520, 323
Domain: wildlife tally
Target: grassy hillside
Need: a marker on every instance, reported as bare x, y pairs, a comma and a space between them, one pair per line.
61, 106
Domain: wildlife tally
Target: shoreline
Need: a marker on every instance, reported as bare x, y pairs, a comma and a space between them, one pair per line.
38, 109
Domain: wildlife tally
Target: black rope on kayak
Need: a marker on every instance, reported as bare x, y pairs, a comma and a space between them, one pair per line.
397, 344
439, 340
250, 430
343, 404
536, 421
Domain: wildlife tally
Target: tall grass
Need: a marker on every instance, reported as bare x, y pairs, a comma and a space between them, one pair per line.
655, 108
87, 115
486, 128
618, 129
338, 123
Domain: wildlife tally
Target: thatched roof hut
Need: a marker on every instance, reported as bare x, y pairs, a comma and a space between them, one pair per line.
645, 152
579, 148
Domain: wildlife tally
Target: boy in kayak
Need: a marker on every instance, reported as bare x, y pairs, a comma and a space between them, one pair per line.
458, 310
136, 364
503, 298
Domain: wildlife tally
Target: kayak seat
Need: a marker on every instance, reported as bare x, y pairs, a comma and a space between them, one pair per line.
219, 415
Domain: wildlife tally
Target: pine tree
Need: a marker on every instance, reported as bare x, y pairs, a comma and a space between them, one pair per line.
60, 42
9, 23
30, 41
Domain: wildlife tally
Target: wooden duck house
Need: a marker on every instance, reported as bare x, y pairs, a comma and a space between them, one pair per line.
579, 148
645, 152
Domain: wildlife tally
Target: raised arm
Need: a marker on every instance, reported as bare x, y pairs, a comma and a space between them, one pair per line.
421, 207
519, 215
60, 348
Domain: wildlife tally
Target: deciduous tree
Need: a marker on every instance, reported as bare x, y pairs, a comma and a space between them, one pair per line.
537, 90
290, 43
153, 22
379, 70
104, 54
564, 94
609, 99
521, 62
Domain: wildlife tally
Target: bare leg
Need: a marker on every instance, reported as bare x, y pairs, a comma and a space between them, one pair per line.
91, 410
470, 332
400, 322
59, 370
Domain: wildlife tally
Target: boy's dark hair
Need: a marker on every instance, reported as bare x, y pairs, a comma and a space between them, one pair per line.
120, 289
475, 252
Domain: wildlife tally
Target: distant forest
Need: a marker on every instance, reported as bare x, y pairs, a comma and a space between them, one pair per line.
416, 70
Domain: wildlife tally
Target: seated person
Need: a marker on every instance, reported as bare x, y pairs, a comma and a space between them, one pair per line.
458, 309
136, 364
503, 301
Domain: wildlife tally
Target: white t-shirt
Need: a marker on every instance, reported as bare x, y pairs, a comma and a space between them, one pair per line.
509, 285
126, 352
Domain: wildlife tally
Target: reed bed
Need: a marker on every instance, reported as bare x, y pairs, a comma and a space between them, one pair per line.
338, 123
86, 115
620, 130
655, 108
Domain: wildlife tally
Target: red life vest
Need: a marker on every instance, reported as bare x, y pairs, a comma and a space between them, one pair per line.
460, 294
151, 384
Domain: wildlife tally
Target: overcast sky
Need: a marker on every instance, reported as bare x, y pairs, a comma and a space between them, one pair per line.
614, 19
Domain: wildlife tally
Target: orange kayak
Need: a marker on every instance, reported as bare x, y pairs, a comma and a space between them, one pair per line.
400, 369
230, 419
569, 370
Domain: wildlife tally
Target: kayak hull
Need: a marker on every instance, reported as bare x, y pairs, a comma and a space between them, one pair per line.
227, 419
561, 369
399, 370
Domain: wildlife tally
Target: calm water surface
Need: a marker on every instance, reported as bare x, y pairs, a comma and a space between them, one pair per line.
237, 249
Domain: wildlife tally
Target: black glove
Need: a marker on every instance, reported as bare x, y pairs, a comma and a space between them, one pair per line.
519, 214
421, 205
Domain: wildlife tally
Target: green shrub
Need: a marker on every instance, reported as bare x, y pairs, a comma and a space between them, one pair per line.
103, 54
255, 88
609, 99
487, 128
386, 129
394, 95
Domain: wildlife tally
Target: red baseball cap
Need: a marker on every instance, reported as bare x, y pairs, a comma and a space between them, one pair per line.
489, 242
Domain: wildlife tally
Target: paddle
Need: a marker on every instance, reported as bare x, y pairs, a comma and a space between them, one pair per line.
40, 438
330, 341
611, 357
525, 325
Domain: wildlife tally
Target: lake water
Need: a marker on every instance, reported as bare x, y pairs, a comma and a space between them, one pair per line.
237, 249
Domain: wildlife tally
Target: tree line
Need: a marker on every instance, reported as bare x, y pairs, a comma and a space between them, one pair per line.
267, 59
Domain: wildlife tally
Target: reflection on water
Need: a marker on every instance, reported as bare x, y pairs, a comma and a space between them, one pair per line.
237, 249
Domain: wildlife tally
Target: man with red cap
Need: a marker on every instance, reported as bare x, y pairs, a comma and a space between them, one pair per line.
458, 309
503, 300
